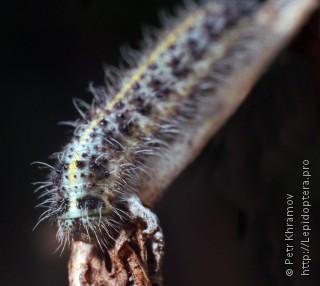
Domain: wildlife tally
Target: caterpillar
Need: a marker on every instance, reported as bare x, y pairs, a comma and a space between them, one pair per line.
152, 119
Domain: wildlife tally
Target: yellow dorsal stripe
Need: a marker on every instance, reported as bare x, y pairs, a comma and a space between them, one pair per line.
168, 41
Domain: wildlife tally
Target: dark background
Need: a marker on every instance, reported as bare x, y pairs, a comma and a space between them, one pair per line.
223, 218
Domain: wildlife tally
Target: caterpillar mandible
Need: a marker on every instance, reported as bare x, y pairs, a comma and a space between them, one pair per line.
153, 118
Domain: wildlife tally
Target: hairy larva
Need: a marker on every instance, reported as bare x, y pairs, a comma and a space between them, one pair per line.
137, 133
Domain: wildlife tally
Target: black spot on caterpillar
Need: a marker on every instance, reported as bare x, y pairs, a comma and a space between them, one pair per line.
135, 121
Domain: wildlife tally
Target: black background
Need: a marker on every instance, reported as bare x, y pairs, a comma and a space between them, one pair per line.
223, 218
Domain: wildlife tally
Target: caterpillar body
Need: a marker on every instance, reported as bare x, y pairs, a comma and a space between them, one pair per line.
150, 121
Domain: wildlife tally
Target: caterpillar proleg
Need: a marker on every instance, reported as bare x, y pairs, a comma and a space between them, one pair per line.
155, 117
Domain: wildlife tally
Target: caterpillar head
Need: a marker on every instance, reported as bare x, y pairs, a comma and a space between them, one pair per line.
86, 209
87, 217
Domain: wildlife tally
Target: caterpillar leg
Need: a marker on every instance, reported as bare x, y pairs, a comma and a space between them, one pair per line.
151, 234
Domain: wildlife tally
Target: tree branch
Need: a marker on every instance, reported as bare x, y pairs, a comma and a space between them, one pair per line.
136, 254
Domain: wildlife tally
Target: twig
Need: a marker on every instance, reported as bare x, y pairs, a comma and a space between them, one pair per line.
135, 258
136, 255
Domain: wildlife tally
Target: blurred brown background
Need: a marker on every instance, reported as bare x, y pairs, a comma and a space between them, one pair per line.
223, 218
